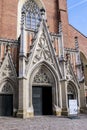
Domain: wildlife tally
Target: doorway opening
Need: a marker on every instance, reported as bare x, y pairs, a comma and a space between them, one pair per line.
6, 104
42, 100
70, 97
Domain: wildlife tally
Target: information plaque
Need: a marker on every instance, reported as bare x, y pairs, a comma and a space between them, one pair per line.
73, 108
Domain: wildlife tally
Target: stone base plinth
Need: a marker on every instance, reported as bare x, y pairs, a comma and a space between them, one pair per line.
64, 112
25, 114
57, 111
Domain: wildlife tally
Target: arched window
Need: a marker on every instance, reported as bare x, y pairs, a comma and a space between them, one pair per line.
33, 15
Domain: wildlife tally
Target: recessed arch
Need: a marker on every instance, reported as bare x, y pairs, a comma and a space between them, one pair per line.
9, 95
7, 80
51, 81
73, 92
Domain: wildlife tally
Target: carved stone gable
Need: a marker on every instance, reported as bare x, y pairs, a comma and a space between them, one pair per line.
7, 69
42, 50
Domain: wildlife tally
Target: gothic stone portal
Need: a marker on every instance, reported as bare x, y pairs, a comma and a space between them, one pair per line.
42, 93
42, 100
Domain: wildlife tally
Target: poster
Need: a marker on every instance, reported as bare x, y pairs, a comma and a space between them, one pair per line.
73, 108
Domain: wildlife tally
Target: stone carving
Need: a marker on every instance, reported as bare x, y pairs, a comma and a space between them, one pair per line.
7, 88
68, 72
31, 6
7, 69
42, 51
41, 77
70, 89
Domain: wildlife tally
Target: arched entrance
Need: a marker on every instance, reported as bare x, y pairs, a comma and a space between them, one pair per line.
6, 100
44, 90
73, 93
42, 100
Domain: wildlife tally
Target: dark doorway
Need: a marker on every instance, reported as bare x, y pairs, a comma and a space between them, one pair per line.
6, 105
70, 96
37, 100
47, 100
42, 100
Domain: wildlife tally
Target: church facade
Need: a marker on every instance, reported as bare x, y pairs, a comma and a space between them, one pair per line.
42, 59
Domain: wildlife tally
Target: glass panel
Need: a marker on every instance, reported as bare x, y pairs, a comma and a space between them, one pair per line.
33, 15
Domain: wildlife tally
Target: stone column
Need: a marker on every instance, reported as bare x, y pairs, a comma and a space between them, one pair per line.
64, 97
23, 39
61, 42
2, 51
57, 101
22, 111
80, 77
61, 51
82, 98
22, 108
78, 61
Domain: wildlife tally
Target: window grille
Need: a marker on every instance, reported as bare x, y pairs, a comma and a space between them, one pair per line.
33, 15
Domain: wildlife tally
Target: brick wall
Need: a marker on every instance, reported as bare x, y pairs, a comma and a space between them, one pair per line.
52, 14
8, 19
56, 10
72, 32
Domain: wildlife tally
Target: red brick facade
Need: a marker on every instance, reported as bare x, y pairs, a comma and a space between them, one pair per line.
56, 11
33, 56
8, 19
81, 39
52, 14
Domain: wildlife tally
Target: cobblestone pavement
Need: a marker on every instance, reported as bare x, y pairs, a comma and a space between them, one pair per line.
44, 123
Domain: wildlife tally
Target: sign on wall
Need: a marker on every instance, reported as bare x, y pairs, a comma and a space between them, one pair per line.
73, 108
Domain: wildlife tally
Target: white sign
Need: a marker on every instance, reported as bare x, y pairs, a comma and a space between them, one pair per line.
73, 108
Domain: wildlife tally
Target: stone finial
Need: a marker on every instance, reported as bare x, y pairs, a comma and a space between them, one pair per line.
76, 43
42, 13
67, 56
60, 27
8, 48
22, 18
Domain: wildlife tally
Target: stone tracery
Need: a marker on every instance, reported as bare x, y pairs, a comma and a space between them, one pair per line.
42, 50
41, 77
7, 88
33, 15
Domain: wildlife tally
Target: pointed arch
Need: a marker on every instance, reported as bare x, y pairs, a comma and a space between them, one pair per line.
52, 80
6, 80
9, 87
22, 4
47, 65
74, 91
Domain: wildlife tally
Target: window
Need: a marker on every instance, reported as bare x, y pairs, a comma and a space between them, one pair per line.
33, 15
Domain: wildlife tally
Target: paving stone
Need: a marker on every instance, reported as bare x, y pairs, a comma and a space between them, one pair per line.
44, 123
